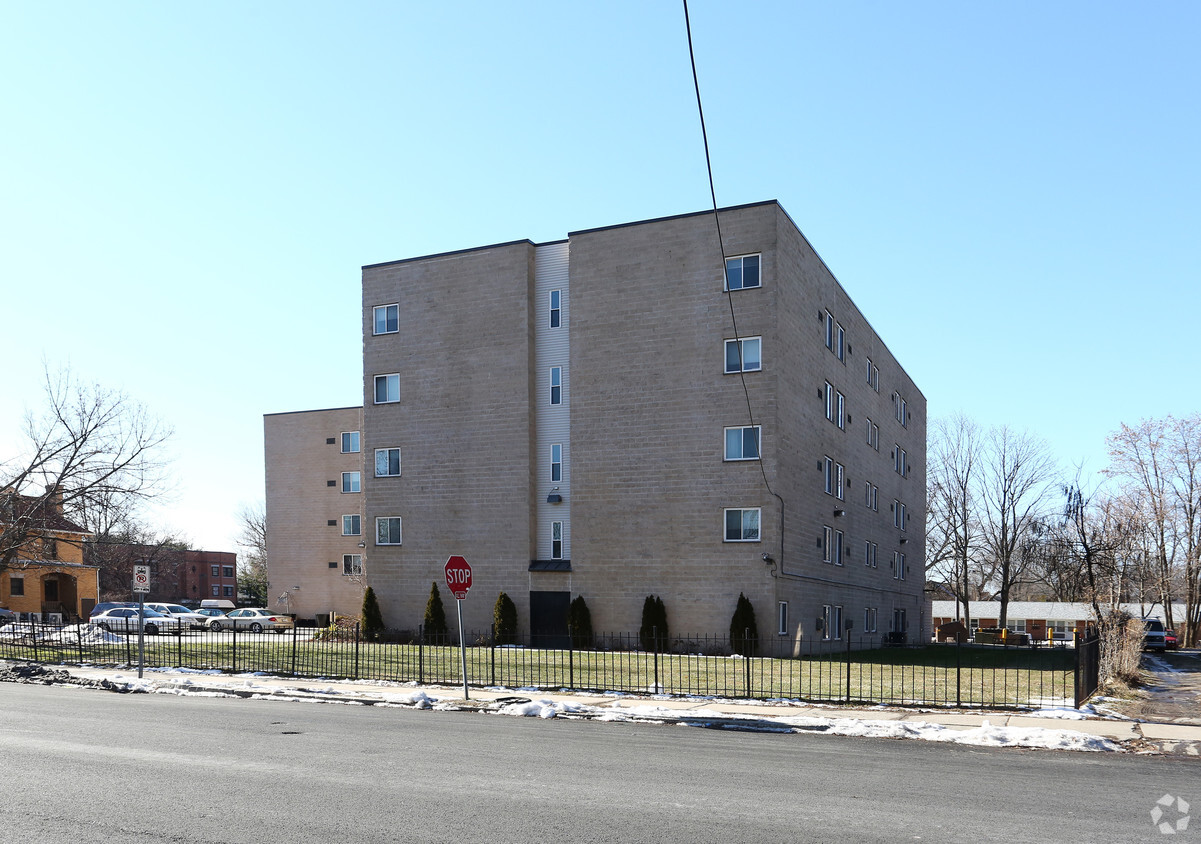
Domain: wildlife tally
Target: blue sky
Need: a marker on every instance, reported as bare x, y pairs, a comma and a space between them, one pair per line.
1009, 191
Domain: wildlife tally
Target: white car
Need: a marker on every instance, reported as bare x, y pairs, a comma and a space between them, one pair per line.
126, 620
185, 616
254, 619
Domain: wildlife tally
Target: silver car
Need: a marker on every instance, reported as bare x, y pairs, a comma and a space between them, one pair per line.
126, 620
186, 617
254, 619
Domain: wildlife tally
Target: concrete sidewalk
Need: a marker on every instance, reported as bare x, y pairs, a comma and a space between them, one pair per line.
1136, 736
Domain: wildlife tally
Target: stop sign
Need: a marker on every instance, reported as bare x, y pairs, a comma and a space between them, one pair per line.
458, 577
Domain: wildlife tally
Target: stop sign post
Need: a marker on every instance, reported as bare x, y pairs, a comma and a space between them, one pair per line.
458, 581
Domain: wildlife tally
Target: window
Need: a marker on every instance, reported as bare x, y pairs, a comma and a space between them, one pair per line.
838, 548
899, 514
351, 525
831, 622
227, 571
742, 525
743, 355
742, 443
836, 337
227, 591
900, 409
556, 462
832, 545
873, 435
869, 619
873, 375
782, 615
898, 565
387, 530
352, 564
216, 591
351, 482
350, 442
387, 462
871, 496
835, 406
870, 553
216, 571
556, 312
556, 385
899, 622
742, 272
16, 586
556, 540
898, 462
387, 319
387, 388
833, 478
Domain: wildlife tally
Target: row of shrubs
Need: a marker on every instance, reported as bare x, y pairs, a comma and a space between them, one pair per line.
653, 633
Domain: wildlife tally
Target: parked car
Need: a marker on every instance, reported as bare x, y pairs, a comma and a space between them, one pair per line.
254, 619
108, 605
185, 616
6, 616
1170, 641
1154, 638
127, 620
209, 613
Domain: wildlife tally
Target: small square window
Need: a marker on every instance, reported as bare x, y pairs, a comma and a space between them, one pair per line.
742, 525
387, 319
742, 443
351, 482
742, 273
387, 388
350, 442
744, 355
16, 586
387, 530
352, 525
216, 571
387, 462
352, 564
227, 571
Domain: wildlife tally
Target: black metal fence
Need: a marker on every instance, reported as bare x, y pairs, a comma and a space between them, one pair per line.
863, 669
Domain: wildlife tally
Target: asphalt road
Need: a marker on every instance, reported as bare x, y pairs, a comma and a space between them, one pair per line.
86, 765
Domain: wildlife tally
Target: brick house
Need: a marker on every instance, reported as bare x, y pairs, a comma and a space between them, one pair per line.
47, 578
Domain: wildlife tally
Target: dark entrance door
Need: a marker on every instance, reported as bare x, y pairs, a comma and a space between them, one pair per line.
548, 619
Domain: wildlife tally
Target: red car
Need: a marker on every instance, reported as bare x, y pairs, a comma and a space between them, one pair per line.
1170, 641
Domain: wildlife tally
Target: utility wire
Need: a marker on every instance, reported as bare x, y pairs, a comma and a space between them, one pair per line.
696, 84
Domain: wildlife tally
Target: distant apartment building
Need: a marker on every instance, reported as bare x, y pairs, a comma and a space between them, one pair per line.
627, 412
176, 574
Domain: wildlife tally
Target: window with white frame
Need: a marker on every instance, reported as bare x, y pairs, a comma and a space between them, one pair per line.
833, 478
350, 442
742, 524
900, 409
873, 375
216, 590
556, 462
835, 406
387, 388
838, 547
899, 462
556, 540
873, 435
387, 319
744, 355
556, 385
387, 462
556, 311
742, 443
900, 514
351, 482
352, 564
352, 525
869, 619
870, 553
898, 565
782, 618
826, 619
387, 530
215, 571
836, 622
836, 337
827, 544
871, 495
742, 272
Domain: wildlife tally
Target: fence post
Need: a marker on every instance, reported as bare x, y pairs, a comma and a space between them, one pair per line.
79, 638
421, 653
958, 670
848, 635
655, 649
356, 650
294, 634
33, 634
492, 654
235, 640
746, 661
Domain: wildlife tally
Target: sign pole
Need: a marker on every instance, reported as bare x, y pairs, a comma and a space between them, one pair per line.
141, 585
462, 647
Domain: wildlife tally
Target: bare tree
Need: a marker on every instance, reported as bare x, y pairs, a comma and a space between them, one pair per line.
91, 451
1016, 472
953, 506
252, 564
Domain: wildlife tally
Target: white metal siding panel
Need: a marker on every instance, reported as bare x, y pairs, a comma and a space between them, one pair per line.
552, 423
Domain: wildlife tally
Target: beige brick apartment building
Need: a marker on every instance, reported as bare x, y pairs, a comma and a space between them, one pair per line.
605, 416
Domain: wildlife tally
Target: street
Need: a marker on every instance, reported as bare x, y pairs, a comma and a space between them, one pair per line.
81, 764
